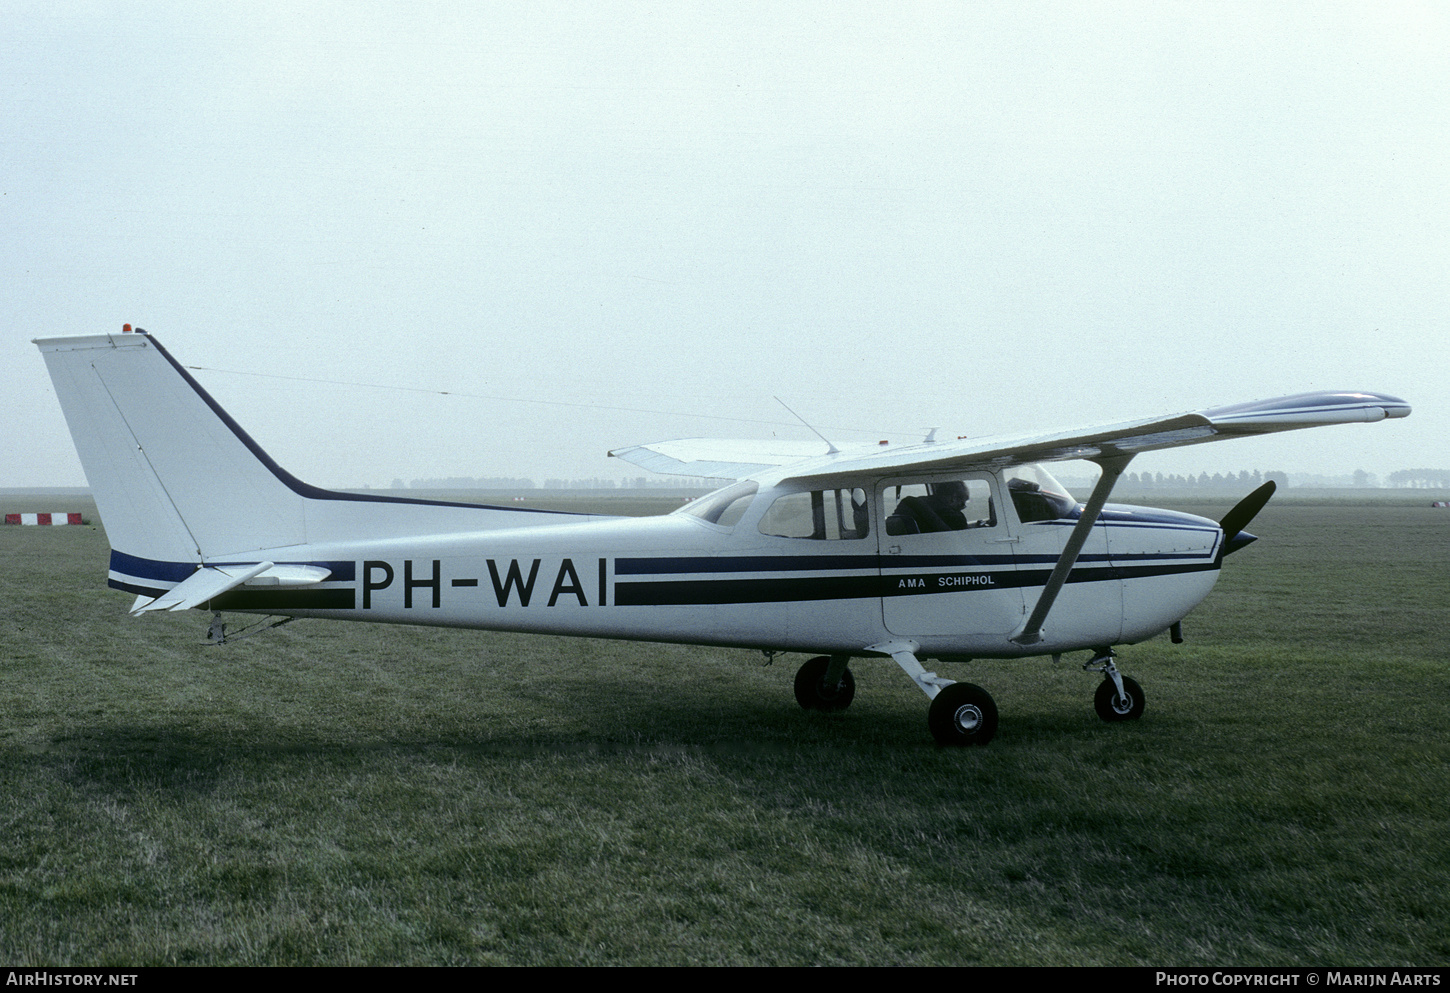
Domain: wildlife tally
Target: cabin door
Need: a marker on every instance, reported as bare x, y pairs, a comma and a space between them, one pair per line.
947, 559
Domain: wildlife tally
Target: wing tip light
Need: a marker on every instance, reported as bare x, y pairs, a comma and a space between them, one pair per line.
1308, 410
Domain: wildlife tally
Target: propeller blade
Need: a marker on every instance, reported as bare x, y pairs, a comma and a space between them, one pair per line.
1244, 511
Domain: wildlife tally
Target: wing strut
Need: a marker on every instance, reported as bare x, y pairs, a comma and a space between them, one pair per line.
1112, 467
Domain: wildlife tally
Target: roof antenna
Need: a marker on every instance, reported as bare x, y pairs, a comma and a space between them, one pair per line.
830, 448
930, 438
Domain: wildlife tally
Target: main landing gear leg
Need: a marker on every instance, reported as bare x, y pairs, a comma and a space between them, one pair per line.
1119, 697
961, 713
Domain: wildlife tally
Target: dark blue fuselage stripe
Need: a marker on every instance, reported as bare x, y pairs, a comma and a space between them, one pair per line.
116, 584
722, 591
797, 563
665, 566
285, 598
169, 572
742, 563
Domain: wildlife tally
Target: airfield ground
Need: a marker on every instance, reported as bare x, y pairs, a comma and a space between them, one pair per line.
334, 793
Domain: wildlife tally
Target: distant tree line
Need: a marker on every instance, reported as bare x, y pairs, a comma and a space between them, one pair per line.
1203, 481
467, 483
1420, 478
1359, 479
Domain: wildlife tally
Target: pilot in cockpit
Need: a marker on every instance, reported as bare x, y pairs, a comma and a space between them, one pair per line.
940, 510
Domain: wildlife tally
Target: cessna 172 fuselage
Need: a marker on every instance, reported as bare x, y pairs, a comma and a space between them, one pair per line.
949, 551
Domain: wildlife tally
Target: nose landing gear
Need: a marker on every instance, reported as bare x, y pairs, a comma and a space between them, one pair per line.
1118, 697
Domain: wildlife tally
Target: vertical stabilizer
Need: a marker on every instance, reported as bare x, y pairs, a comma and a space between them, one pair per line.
173, 480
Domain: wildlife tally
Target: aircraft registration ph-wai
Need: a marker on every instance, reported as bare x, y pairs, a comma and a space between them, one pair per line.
938, 551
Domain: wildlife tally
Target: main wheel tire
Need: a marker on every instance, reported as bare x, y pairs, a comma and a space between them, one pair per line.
811, 691
1111, 707
962, 714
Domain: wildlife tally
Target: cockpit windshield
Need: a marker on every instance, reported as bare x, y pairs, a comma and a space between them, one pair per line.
723, 507
1037, 495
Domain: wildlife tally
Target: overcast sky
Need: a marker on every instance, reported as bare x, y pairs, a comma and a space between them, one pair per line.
987, 218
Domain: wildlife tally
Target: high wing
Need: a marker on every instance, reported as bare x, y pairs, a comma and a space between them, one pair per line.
805, 460
719, 459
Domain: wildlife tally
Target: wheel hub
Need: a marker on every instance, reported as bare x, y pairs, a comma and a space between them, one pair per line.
968, 717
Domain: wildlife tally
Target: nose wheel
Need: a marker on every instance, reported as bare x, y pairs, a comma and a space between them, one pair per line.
1119, 697
1113, 705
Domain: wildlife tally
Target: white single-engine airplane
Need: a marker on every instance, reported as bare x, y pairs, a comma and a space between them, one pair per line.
940, 550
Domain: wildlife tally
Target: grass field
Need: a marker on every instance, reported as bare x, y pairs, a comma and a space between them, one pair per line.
333, 793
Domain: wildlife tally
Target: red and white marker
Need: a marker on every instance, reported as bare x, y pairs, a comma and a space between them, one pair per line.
42, 518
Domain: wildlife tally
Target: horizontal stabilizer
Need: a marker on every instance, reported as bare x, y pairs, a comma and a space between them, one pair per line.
213, 580
202, 585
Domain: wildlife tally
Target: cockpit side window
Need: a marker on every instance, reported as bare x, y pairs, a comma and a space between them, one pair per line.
823, 515
942, 505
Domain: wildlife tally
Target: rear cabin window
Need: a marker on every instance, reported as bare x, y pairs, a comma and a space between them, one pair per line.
723, 507
824, 515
